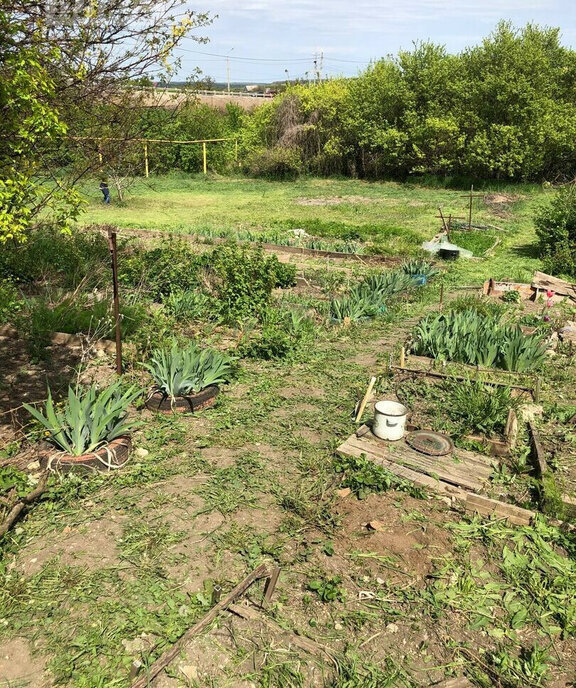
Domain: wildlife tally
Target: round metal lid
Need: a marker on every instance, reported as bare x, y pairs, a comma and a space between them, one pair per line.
431, 443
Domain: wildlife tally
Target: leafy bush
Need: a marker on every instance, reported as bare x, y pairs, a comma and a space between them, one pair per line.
88, 419
179, 372
49, 253
10, 301
283, 332
478, 407
170, 267
242, 278
275, 163
512, 296
556, 230
364, 477
476, 339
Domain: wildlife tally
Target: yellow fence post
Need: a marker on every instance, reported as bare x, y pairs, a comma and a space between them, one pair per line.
146, 170
204, 156
236, 150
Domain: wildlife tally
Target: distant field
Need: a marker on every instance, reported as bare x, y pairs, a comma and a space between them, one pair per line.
395, 217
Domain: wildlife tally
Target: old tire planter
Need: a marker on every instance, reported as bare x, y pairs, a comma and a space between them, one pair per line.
158, 401
109, 458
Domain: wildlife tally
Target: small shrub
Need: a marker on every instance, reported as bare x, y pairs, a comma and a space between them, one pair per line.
242, 279
512, 296
478, 407
10, 301
171, 267
556, 231
275, 163
282, 334
187, 305
364, 477
328, 589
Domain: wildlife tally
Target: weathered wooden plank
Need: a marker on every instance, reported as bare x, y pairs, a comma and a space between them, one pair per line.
541, 280
447, 470
538, 455
491, 507
419, 479
485, 506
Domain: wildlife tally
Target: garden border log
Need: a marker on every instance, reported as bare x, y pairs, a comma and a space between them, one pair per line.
461, 378
164, 660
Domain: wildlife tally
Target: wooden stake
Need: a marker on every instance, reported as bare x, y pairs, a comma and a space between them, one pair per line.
164, 660
441, 304
271, 585
402, 357
205, 158
365, 399
146, 170
113, 254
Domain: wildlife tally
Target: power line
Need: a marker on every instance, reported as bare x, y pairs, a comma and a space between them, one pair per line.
245, 59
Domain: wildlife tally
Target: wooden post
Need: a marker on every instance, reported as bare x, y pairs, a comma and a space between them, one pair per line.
113, 254
470, 207
365, 399
146, 170
204, 157
271, 584
236, 151
100, 158
441, 304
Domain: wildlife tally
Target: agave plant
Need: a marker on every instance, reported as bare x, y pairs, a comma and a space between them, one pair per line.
89, 419
417, 266
180, 372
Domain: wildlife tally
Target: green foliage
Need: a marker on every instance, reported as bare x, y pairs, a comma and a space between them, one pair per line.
512, 296
13, 481
556, 230
66, 259
364, 477
328, 589
170, 267
282, 334
530, 668
275, 163
242, 278
470, 337
88, 419
478, 407
179, 372
10, 301
417, 266
501, 109
186, 306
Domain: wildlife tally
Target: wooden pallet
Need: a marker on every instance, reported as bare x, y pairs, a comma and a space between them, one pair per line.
460, 476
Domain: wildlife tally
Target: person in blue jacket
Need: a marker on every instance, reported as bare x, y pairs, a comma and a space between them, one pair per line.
105, 190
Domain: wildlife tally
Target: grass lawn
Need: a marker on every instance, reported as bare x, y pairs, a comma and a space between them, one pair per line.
396, 217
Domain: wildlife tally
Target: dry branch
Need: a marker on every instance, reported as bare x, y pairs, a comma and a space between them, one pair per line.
164, 660
21, 504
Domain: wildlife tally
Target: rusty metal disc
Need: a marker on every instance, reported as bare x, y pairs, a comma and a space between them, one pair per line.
431, 443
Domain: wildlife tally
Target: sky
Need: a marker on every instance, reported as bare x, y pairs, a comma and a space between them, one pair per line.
264, 38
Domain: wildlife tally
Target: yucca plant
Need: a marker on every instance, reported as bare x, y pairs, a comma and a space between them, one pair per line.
181, 372
417, 266
89, 419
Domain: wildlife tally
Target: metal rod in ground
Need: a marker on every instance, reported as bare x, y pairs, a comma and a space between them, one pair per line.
216, 593
113, 254
271, 584
441, 296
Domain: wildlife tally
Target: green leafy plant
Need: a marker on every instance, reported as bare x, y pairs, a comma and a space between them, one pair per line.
512, 296
364, 477
283, 333
178, 372
478, 407
476, 339
187, 305
418, 266
10, 301
88, 419
328, 589
242, 279
556, 230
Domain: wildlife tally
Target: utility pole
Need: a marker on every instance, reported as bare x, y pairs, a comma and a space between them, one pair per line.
228, 68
